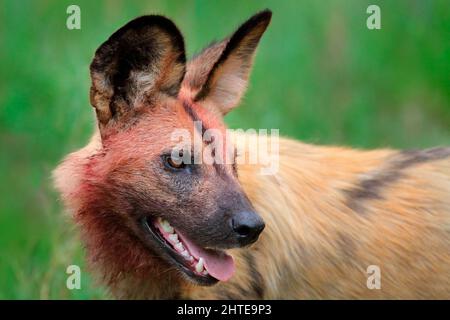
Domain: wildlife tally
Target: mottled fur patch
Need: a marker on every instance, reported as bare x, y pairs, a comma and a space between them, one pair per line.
257, 281
371, 185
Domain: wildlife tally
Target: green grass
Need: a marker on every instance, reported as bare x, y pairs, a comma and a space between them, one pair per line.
320, 76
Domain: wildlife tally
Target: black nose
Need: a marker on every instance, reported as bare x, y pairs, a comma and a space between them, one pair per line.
247, 225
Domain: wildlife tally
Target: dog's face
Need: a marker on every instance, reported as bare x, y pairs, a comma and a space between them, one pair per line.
157, 183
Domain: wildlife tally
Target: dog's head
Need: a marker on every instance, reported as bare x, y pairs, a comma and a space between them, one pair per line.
154, 111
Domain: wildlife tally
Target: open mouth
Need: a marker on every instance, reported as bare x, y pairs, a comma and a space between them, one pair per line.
203, 265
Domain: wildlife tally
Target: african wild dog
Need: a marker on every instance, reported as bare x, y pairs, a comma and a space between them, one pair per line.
329, 212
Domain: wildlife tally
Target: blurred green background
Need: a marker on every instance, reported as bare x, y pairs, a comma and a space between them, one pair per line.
320, 76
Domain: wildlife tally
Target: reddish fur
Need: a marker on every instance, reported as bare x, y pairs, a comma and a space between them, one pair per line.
330, 212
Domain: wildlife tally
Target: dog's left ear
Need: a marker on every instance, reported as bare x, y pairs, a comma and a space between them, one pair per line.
219, 75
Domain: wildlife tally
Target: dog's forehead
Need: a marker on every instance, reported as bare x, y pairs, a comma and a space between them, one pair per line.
208, 119
166, 125
209, 125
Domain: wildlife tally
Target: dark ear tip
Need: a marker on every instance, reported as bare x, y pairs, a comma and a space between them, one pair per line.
145, 21
137, 27
148, 21
261, 18
264, 15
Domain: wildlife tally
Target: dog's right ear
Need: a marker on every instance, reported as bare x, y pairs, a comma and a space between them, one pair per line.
217, 78
139, 64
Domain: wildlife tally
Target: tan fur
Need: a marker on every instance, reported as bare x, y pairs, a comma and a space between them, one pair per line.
198, 68
330, 212
314, 246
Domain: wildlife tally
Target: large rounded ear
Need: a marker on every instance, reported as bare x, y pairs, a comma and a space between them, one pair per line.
217, 77
139, 64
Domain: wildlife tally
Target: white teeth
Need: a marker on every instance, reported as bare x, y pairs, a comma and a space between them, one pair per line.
174, 237
185, 254
179, 247
205, 272
166, 225
199, 265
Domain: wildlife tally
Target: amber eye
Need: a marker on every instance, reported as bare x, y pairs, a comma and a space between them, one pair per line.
174, 163
177, 164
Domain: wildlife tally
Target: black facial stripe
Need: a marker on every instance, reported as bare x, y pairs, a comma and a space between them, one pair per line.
220, 169
193, 115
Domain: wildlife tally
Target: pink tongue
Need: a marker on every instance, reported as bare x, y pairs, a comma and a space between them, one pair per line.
219, 264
